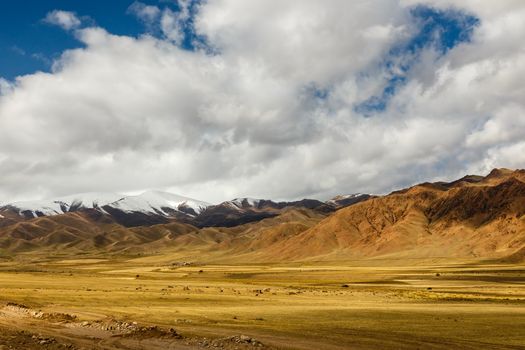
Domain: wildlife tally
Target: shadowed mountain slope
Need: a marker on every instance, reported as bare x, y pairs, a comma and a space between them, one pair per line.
475, 216
155, 207
471, 217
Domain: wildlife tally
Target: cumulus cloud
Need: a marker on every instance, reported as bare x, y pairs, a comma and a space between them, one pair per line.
5, 86
148, 14
65, 19
174, 25
270, 111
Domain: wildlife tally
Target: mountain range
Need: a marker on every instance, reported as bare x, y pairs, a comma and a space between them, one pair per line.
472, 217
156, 207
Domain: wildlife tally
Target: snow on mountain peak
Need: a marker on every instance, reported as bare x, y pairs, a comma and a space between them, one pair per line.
158, 202
347, 196
347, 199
244, 202
64, 204
148, 202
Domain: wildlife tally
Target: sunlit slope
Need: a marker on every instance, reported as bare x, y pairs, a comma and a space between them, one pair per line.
476, 218
473, 217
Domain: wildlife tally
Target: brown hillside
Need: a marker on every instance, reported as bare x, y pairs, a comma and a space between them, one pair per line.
483, 218
474, 216
87, 231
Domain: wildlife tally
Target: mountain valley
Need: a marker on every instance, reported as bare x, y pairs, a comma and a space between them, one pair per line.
437, 265
475, 216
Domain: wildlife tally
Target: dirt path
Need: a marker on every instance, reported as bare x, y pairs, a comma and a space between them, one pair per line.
26, 329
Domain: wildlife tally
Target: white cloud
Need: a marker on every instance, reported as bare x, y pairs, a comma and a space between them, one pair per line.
5, 86
512, 155
148, 14
166, 21
65, 19
125, 114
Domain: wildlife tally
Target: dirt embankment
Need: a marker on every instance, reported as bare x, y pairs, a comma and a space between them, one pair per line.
25, 328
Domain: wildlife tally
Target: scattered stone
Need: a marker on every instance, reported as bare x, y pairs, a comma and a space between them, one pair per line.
15, 306
238, 340
153, 332
50, 316
43, 340
182, 320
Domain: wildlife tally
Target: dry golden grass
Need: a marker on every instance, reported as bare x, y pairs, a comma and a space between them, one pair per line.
383, 304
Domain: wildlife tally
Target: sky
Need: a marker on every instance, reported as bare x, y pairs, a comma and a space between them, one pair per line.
264, 98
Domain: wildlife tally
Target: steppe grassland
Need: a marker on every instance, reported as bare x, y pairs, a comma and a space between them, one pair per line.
375, 303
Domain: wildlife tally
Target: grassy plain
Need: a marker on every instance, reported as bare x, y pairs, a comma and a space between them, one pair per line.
372, 304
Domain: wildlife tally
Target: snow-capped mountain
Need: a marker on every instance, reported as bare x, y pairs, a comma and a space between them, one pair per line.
243, 210
63, 205
151, 202
161, 203
156, 207
334, 203
244, 202
347, 199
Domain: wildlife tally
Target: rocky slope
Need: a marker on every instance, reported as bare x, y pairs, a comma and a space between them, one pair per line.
473, 217
155, 207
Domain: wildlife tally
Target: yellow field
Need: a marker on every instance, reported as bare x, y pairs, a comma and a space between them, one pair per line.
381, 304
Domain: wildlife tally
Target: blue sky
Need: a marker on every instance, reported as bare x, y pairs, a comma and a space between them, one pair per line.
285, 99
440, 30
28, 44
